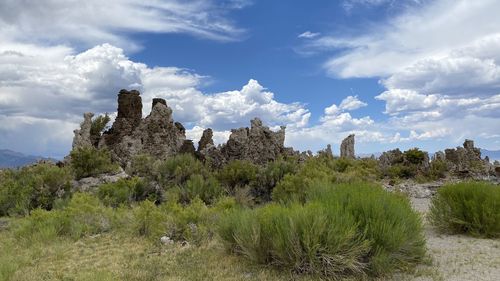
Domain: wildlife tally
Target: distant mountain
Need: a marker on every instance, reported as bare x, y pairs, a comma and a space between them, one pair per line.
492, 154
368, 155
12, 159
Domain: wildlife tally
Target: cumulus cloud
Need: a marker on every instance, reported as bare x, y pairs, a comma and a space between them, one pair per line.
334, 125
352, 103
47, 95
95, 22
440, 84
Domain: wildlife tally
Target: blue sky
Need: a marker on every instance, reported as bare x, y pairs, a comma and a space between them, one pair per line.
395, 73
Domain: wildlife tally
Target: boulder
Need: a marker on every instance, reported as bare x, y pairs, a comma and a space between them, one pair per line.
92, 183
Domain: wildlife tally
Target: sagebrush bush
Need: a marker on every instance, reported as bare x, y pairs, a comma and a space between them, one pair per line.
322, 169
126, 191
149, 220
469, 207
401, 171
142, 165
237, 173
438, 169
192, 222
270, 175
177, 170
341, 230
414, 156
208, 190
33, 187
295, 186
84, 215
90, 161
385, 219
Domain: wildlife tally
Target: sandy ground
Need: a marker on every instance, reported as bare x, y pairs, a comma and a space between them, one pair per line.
456, 257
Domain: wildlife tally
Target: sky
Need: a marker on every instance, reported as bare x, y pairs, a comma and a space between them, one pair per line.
407, 73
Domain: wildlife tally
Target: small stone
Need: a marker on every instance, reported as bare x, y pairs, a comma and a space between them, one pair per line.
165, 240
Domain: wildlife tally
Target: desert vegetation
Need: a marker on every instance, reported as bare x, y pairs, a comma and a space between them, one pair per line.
292, 218
470, 207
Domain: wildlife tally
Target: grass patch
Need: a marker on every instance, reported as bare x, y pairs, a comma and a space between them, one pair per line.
471, 208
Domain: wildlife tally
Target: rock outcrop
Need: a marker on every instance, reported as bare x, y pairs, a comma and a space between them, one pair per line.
257, 144
206, 140
92, 183
82, 136
159, 136
130, 135
128, 119
327, 152
390, 158
347, 147
467, 160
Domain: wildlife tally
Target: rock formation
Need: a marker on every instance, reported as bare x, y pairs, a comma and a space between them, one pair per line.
159, 136
327, 152
257, 144
82, 136
206, 139
347, 147
130, 134
390, 158
467, 160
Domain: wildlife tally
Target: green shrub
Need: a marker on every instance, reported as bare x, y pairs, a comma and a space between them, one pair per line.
295, 186
237, 173
414, 156
90, 161
340, 231
269, 176
142, 165
149, 220
311, 239
99, 124
177, 170
84, 215
470, 207
87, 214
438, 169
33, 187
191, 222
385, 219
126, 191
401, 171
208, 190
341, 164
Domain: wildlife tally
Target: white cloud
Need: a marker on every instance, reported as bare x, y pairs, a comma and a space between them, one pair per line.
95, 22
424, 31
46, 96
352, 103
440, 84
308, 35
334, 125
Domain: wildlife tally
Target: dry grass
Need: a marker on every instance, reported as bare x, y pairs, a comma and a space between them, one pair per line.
117, 257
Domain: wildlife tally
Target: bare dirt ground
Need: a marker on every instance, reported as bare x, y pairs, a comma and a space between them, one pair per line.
456, 257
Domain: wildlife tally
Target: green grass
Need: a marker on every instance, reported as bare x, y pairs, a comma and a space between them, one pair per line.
471, 208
